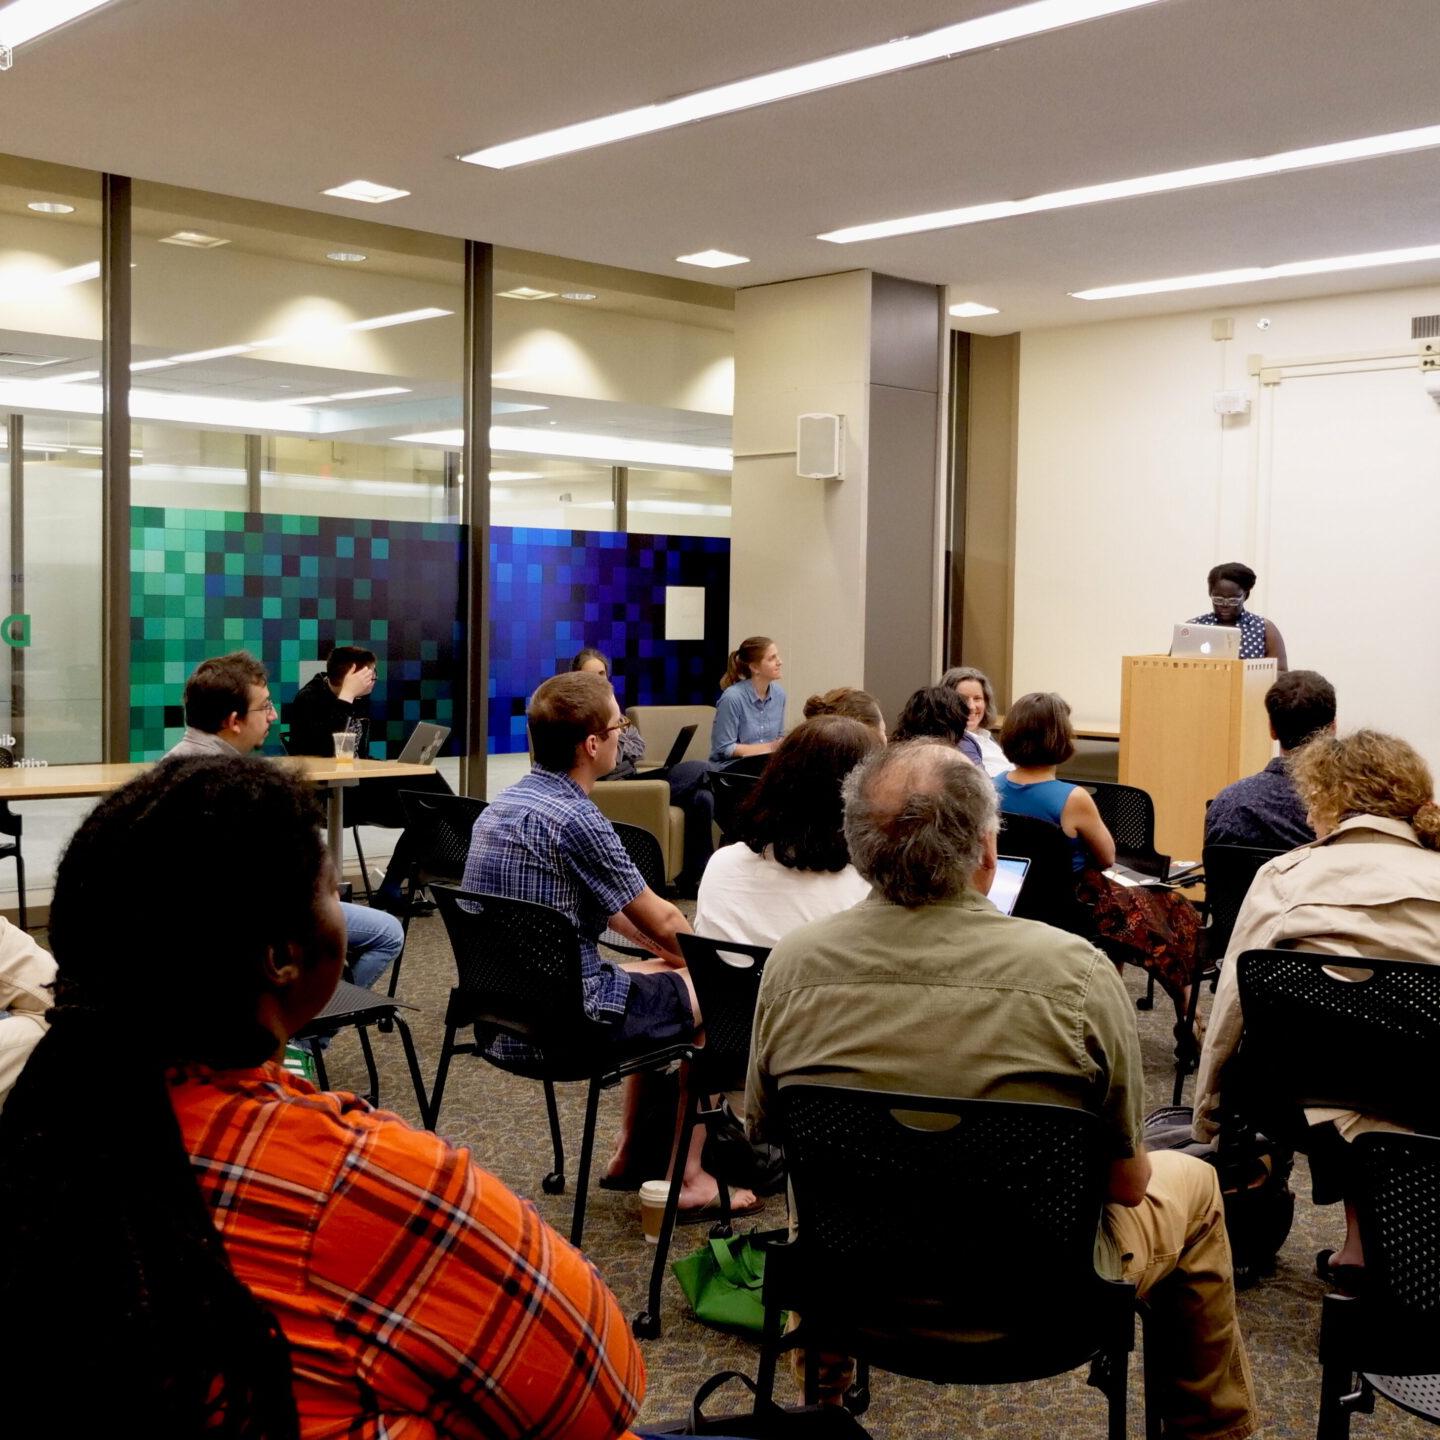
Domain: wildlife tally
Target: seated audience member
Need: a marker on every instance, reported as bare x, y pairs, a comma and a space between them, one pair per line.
853, 704
973, 687
1263, 810
590, 661
232, 1252
789, 863
926, 988
750, 714
228, 712
26, 975
1157, 929
1368, 885
688, 781
543, 840
331, 703
938, 713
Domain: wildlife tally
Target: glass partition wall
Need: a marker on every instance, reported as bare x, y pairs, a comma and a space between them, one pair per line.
296, 445
50, 332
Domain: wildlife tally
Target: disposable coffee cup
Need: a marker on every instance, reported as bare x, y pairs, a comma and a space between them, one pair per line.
653, 1195
344, 746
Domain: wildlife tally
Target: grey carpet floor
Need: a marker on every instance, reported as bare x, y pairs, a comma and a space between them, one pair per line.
501, 1120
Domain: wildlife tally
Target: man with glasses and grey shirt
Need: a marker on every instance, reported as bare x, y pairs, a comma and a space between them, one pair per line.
228, 711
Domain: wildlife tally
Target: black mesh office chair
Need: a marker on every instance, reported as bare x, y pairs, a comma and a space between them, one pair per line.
1328, 1031
1129, 816
1386, 1341
727, 984
1048, 894
352, 1007
644, 851
518, 975
1229, 869
871, 1270
437, 829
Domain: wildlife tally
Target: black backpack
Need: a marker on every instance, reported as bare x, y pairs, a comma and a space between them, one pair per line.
1254, 1180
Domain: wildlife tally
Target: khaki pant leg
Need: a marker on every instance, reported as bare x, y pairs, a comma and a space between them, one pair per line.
1176, 1253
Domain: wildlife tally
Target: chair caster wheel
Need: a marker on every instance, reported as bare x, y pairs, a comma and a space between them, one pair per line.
857, 1399
645, 1326
553, 1183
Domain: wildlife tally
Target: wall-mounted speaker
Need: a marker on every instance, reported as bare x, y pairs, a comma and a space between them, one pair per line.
820, 447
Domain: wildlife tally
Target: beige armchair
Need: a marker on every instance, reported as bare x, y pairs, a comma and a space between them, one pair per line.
660, 724
646, 803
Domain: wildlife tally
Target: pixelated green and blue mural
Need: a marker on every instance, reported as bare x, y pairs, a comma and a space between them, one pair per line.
287, 588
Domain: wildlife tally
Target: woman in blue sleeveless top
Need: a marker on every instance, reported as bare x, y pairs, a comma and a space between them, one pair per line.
1157, 929
1230, 587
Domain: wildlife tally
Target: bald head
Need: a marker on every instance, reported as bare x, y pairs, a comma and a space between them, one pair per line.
917, 817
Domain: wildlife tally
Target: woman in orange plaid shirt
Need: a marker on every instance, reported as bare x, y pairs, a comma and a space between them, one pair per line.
203, 1244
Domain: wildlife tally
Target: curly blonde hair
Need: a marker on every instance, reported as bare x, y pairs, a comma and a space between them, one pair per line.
1366, 773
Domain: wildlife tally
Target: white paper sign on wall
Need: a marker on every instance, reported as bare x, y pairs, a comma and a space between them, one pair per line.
684, 612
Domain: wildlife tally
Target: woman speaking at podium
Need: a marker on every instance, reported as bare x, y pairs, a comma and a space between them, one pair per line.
1230, 587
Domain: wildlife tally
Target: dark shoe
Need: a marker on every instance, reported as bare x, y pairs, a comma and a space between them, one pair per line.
1347, 1279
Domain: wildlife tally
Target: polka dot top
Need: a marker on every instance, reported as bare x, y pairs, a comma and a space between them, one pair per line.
1252, 633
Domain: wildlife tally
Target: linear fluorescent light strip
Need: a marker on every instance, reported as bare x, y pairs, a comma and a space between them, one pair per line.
27, 20
378, 322
608, 449
1252, 273
1397, 142
56, 280
901, 54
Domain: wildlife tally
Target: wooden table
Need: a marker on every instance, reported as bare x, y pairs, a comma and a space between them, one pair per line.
51, 782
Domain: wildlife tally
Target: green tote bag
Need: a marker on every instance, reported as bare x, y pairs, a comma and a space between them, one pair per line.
722, 1281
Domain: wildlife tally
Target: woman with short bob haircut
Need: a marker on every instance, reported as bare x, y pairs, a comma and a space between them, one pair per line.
790, 863
1157, 929
973, 687
182, 1215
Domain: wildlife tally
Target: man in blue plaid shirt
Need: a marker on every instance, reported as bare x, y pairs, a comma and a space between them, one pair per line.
545, 841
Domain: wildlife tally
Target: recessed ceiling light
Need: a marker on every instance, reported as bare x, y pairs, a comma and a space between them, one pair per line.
26, 20
346, 257
219, 352
578, 295
901, 54
1396, 143
1251, 273
526, 292
50, 207
194, 240
713, 259
971, 309
504, 475
369, 394
367, 191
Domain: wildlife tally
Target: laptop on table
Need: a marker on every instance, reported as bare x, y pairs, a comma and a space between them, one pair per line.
424, 744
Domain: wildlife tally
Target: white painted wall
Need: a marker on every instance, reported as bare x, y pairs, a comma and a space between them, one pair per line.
1129, 488
797, 569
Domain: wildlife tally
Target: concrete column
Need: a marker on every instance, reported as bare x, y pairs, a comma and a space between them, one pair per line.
840, 572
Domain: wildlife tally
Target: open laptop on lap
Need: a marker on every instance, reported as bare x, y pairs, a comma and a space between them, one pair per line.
1010, 871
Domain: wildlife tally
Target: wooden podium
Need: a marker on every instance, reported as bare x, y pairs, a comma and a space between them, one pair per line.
1188, 727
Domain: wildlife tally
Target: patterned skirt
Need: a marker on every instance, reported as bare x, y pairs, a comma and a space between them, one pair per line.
1137, 925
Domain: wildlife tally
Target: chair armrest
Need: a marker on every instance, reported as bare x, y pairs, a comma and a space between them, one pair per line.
646, 804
